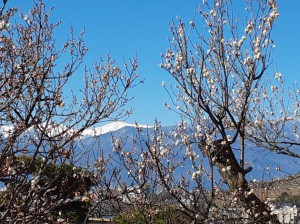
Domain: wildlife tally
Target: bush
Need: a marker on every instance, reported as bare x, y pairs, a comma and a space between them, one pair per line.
155, 215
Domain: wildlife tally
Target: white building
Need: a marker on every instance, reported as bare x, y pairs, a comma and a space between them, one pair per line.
288, 214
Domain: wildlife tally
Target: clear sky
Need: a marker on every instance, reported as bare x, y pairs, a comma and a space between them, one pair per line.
127, 28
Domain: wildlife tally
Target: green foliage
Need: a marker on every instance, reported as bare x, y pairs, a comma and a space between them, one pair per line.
64, 180
155, 215
72, 212
67, 178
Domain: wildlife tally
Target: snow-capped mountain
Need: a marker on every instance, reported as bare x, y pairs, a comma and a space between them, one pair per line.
6, 130
50, 129
108, 128
264, 162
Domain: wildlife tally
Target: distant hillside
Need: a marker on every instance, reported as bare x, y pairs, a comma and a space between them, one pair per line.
275, 188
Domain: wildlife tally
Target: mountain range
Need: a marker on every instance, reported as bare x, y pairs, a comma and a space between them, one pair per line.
266, 164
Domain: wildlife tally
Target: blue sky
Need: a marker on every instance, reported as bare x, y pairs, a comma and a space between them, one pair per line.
127, 28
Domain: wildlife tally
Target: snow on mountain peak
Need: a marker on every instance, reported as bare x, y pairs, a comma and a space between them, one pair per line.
5, 131
111, 127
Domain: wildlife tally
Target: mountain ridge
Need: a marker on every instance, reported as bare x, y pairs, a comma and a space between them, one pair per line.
108, 128
265, 163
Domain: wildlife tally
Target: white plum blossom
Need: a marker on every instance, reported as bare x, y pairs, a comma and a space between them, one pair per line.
274, 14
211, 81
192, 23
248, 61
242, 41
223, 143
196, 174
274, 89
265, 95
229, 138
213, 13
181, 31
2, 24
264, 32
34, 182
278, 76
11, 171
169, 65
249, 27
257, 55
258, 122
159, 140
167, 106
214, 88
26, 18
199, 128
117, 145
163, 151
267, 167
205, 73
179, 58
266, 43
190, 71
209, 140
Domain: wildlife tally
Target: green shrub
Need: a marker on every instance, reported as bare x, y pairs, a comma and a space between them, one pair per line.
155, 215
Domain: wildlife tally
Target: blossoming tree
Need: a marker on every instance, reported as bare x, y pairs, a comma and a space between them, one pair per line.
222, 90
224, 97
39, 121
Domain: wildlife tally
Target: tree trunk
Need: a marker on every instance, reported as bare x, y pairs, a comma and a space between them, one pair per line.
229, 168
